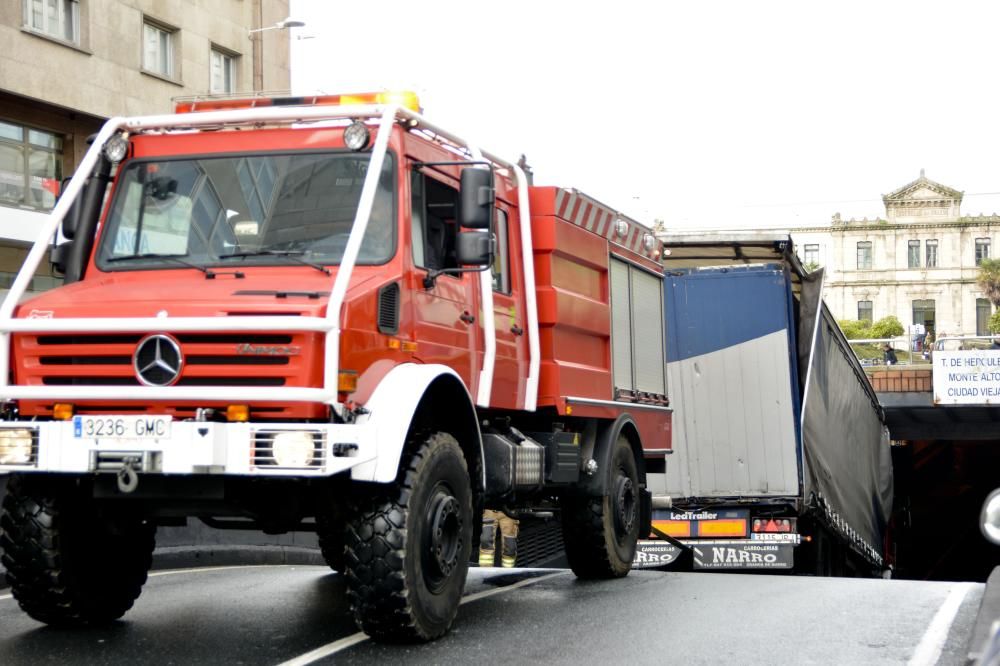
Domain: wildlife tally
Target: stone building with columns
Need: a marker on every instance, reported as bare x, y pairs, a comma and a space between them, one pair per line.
918, 263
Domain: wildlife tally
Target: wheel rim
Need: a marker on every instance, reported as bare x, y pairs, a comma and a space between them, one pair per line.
625, 506
442, 538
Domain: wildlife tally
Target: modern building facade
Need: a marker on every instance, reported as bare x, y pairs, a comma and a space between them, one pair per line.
68, 65
918, 263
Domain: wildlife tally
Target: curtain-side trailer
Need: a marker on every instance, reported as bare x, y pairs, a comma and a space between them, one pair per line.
780, 453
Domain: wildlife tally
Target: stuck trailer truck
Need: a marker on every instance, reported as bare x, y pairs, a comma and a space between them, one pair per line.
780, 455
327, 314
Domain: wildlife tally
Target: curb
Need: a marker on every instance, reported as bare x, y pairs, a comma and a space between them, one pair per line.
197, 557
989, 612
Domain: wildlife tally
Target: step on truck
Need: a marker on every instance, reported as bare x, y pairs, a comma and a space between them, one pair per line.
781, 457
323, 313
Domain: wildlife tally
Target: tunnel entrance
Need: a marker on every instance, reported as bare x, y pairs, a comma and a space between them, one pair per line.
940, 486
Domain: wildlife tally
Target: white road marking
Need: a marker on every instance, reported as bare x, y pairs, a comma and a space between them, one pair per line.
360, 637
174, 572
6, 596
929, 649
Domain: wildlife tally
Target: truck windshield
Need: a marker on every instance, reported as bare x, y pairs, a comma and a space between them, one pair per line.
248, 209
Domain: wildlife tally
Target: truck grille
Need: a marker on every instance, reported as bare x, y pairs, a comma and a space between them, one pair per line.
210, 359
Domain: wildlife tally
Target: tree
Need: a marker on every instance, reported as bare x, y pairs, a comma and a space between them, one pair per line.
887, 327
855, 329
994, 324
989, 279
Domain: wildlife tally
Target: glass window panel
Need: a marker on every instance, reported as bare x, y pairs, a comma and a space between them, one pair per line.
12, 132
864, 255
501, 262
38, 14
913, 256
932, 247
69, 20
204, 209
52, 17
164, 53
865, 311
44, 139
982, 249
45, 177
150, 48
12, 176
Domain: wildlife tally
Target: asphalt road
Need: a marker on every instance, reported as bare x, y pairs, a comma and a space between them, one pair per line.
298, 614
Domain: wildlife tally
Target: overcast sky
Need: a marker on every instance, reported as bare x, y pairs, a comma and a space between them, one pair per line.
704, 114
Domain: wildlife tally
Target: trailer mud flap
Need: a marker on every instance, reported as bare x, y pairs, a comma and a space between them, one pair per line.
743, 555
653, 554
650, 554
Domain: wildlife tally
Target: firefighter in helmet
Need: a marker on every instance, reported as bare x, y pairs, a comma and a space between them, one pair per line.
508, 539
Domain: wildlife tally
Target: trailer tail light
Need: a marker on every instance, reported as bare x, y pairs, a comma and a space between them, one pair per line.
675, 528
773, 525
722, 527
404, 98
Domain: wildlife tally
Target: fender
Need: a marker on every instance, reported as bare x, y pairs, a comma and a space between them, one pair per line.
606, 435
393, 407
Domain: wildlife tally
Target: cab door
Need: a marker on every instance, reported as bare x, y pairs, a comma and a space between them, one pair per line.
446, 315
511, 369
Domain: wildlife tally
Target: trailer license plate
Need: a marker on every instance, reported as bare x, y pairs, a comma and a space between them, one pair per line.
121, 427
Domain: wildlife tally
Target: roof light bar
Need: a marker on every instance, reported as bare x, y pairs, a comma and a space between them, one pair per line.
406, 99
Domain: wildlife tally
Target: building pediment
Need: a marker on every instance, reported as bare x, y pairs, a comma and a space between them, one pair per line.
921, 191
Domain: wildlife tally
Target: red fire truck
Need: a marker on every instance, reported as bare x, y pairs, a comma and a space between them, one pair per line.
326, 314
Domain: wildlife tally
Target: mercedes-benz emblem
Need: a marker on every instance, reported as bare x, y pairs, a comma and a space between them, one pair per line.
158, 360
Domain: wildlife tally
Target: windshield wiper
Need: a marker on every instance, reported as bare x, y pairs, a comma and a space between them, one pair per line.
294, 255
176, 258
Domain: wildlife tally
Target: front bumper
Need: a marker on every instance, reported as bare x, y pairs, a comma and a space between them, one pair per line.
198, 447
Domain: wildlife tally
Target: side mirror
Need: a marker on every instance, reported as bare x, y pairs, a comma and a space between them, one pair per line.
58, 257
989, 519
71, 221
474, 248
476, 198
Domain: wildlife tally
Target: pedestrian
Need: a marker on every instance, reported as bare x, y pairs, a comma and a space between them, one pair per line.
928, 344
508, 539
889, 354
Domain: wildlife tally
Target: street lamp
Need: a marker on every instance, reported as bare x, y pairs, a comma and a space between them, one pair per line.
258, 48
281, 25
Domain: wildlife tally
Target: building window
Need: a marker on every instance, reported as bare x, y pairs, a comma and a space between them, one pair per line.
913, 256
223, 72
56, 18
865, 311
30, 166
864, 255
932, 247
983, 311
810, 254
982, 250
158, 49
923, 313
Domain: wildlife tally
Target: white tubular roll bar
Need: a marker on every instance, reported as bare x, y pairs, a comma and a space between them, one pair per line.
330, 324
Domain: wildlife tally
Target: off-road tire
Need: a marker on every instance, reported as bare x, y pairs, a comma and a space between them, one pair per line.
330, 532
598, 543
67, 565
399, 590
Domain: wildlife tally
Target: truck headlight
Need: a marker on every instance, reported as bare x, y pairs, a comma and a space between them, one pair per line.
15, 447
293, 449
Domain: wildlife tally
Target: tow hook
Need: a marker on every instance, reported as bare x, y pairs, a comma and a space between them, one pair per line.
128, 480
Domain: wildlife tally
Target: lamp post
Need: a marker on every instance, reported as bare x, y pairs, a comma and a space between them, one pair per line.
258, 45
